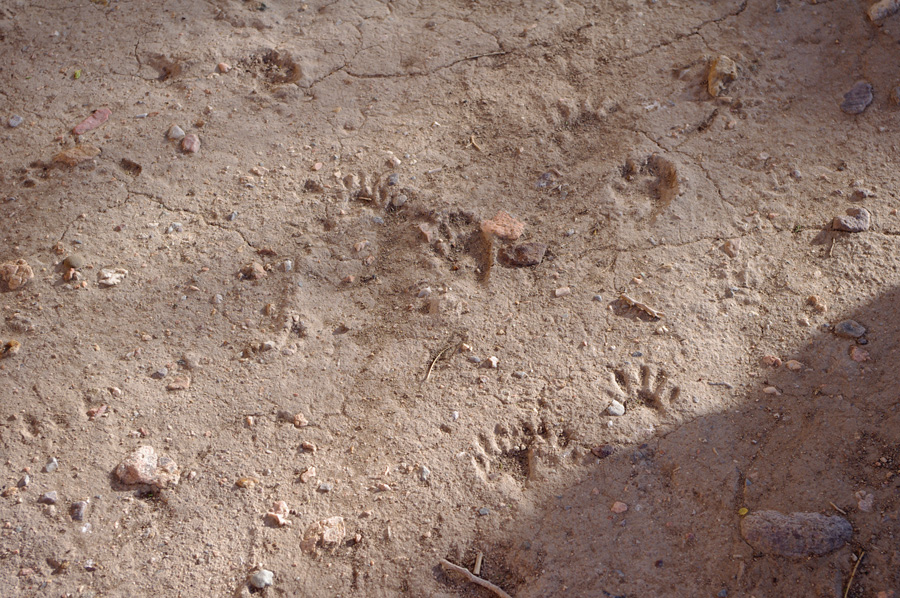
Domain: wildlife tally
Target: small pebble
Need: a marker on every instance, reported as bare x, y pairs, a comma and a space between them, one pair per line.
858, 98
484, 511
15, 120
857, 220
190, 144
519, 374
597, 298
722, 594
24, 481
393, 179
849, 329
732, 247
474, 359
51, 466
616, 408
619, 507
520, 256
223, 67
491, 362
562, 291
49, 498
78, 509
262, 579
326, 487
160, 373
231, 217
424, 473
175, 133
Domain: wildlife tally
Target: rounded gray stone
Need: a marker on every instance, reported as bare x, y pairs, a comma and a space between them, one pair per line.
857, 220
796, 535
616, 408
858, 98
262, 578
849, 329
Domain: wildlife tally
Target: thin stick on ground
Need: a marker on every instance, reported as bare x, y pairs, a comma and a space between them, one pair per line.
477, 580
838, 509
852, 575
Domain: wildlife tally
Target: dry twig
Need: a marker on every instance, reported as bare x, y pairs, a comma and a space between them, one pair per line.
853, 574
641, 306
474, 578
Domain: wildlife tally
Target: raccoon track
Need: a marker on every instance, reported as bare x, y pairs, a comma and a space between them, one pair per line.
649, 386
516, 451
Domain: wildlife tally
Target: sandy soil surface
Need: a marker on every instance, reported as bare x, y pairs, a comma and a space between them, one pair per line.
308, 309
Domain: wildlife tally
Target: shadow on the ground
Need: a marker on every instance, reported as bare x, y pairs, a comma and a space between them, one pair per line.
820, 440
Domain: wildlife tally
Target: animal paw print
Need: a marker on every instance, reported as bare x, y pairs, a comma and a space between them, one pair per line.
646, 386
518, 451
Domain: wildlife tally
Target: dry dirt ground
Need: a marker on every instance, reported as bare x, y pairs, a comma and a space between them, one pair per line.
352, 150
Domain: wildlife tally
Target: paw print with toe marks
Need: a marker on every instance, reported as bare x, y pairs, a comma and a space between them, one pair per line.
643, 386
520, 451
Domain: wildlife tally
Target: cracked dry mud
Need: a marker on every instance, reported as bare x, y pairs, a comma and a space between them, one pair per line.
352, 150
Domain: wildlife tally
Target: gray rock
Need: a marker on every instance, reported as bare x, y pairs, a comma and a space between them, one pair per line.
849, 329
24, 481
858, 98
51, 466
424, 473
616, 408
49, 498
14, 121
796, 535
326, 487
857, 220
160, 373
175, 132
262, 579
484, 511
78, 509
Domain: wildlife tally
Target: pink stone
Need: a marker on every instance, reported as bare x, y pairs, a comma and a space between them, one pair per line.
503, 226
190, 143
99, 116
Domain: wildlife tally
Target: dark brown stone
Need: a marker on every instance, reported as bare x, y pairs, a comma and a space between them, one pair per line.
526, 254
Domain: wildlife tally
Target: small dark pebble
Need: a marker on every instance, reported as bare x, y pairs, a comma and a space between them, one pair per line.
722, 594
160, 373
637, 354
393, 179
603, 451
483, 511
231, 216
862, 341
849, 329
49, 498
326, 487
24, 481
78, 510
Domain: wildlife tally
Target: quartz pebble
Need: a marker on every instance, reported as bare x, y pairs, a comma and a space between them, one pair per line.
262, 579
51, 466
144, 466
616, 408
798, 535
14, 121
327, 533
619, 507
175, 133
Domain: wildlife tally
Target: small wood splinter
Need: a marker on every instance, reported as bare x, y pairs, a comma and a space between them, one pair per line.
642, 306
474, 578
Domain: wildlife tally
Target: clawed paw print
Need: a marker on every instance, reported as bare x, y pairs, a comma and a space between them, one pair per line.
517, 450
646, 386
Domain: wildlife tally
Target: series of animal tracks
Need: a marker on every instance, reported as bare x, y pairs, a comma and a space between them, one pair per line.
526, 451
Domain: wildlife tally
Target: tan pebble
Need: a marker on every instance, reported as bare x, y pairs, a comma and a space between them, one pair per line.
771, 390
732, 247
382, 487
300, 421
562, 291
16, 274
317, 166
618, 507
722, 71
180, 382
308, 446
252, 271
793, 365
503, 226
223, 67
10, 348
348, 279
308, 474
771, 360
246, 482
